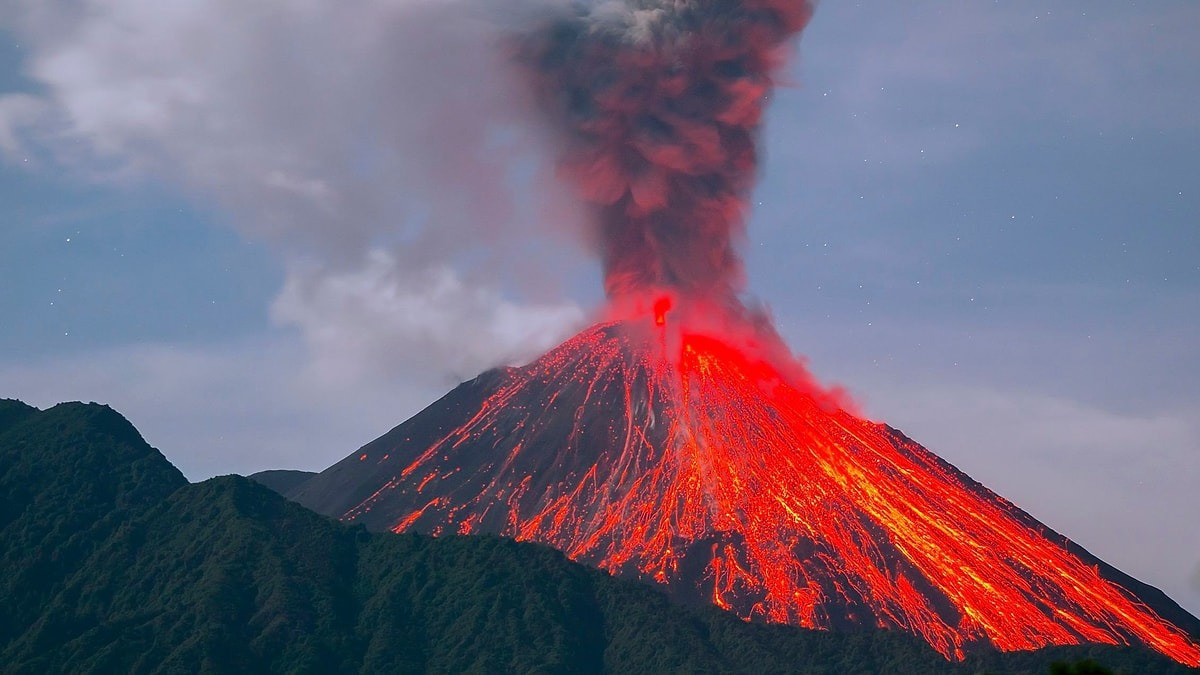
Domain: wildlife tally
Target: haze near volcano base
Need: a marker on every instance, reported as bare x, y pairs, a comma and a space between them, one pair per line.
1046, 350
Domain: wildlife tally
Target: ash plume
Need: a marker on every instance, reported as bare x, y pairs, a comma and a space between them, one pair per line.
658, 105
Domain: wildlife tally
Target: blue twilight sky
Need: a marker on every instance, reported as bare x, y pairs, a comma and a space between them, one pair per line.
268, 232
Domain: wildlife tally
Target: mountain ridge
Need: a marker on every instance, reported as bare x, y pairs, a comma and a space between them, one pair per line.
227, 576
281, 480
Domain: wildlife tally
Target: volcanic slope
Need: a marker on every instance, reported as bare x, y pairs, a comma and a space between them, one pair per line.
683, 459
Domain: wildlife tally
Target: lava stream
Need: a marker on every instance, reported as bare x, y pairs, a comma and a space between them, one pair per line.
692, 461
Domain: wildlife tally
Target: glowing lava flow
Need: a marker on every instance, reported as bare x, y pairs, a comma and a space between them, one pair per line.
678, 457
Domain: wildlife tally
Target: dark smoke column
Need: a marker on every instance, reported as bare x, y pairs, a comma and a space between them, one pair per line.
659, 105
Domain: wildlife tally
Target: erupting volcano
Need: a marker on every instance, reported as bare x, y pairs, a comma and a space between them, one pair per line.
677, 441
686, 458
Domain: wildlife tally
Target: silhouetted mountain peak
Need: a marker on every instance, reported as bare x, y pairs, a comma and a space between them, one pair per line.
70, 476
13, 411
282, 481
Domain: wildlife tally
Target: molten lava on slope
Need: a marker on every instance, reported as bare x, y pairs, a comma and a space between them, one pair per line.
689, 459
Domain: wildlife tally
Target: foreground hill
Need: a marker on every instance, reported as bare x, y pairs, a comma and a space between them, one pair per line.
282, 481
112, 562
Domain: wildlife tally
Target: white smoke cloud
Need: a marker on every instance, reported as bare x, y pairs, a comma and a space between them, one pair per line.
384, 316
360, 140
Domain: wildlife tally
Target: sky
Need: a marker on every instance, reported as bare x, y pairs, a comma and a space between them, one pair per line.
268, 232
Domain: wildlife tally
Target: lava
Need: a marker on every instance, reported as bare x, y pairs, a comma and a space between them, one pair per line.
683, 458
661, 307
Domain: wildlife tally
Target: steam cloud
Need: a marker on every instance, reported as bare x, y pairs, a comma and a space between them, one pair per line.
659, 105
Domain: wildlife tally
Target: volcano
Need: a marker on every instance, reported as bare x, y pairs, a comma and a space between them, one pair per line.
705, 462
677, 441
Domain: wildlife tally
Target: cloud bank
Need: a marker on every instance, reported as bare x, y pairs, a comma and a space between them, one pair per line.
380, 148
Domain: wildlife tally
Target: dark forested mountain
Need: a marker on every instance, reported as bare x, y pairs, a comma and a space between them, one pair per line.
282, 480
112, 562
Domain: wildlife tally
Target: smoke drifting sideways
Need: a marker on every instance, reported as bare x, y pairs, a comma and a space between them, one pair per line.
658, 105
383, 150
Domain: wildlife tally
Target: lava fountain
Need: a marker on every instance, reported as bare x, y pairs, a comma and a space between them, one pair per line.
677, 441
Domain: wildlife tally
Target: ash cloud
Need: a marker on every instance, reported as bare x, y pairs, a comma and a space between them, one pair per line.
658, 106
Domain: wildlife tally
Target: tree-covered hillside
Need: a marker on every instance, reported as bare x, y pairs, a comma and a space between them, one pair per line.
112, 562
